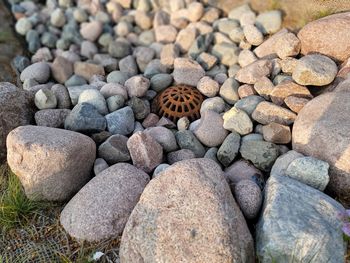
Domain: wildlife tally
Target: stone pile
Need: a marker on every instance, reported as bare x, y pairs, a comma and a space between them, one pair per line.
95, 70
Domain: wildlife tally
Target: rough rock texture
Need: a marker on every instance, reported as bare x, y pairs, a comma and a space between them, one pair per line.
15, 110
102, 207
187, 214
328, 36
52, 164
322, 130
294, 219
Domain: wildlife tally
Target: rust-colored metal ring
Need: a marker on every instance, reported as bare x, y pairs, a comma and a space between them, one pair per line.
179, 101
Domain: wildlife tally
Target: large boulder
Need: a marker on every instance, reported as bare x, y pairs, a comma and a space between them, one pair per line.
298, 224
329, 36
52, 164
187, 214
15, 110
102, 207
322, 130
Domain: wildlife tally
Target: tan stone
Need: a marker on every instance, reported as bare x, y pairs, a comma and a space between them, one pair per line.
254, 72
187, 214
286, 89
87, 70
267, 112
295, 103
246, 90
52, 164
62, 69
277, 133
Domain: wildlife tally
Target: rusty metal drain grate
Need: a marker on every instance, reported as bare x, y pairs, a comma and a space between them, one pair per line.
179, 101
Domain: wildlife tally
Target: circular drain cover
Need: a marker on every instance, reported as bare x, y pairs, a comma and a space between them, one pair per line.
179, 101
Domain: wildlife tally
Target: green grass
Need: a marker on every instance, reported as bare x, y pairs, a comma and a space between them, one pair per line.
15, 207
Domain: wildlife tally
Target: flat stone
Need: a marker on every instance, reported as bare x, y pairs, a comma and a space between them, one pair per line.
262, 154
187, 71
277, 133
300, 209
52, 164
102, 207
210, 130
316, 70
254, 72
237, 120
121, 121
146, 153
188, 182
249, 198
51, 117
229, 149
267, 112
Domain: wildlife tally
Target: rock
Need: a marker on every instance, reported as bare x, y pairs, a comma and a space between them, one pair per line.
249, 104
121, 121
180, 155
277, 133
117, 77
160, 168
253, 137
249, 198
188, 181
119, 49
150, 121
243, 170
88, 49
262, 154
206, 60
114, 149
226, 53
146, 153
75, 91
75, 80
164, 137
316, 70
23, 26
246, 57
187, 71
237, 120
210, 130
52, 164
143, 56
267, 48
15, 110
62, 95
321, 131
253, 35
269, 22
168, 54
99, 166
102, 207
115, 102
85, 118
165, 34
264, 87
183, 123
295, 103
216, 104
45, 99
39, 71
208, 87
327, 36
254, 72
92, 30
229, 91
87, 70
51, 117
187, 140
286, 89
185, 39
112, 89
287, 45
62, 69
58, 18
141, 108
310, 171
267, 112
229, 149
282, 162
234, 10
160, 82
95, 98
137, 86
300, 209
128, 65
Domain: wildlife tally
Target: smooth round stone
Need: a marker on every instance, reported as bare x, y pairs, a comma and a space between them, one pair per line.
227, 53
253, 35
237, 120
23, 25
208, 87
119, 49
62, 96
88, 49
252, 137
115, 102
38, 71
80, 15
315, 69
137, 86
128, 65
111, 89
210, 130
114, 149
62, 44
146, 38
229, 149
51, 117
249, 104
310, 171
117, 77
100, 165
160, 168
249, 198
229, 91
159, 82
153, 68
75, 80
58, 18
180, 155
92, 30
216, 104
193, 125
246, 57
269, 22
183, 123
211, 154
150, 121
86, 119
187, 140
236, 35
20, 63
95, 98
187, 71
164, 137
45, 99
121, 121
141, 108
